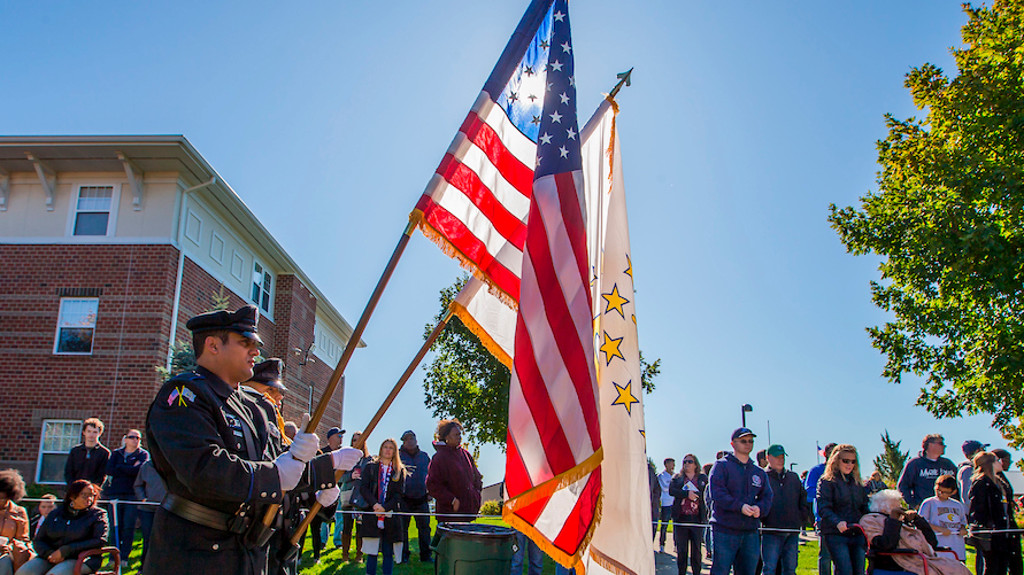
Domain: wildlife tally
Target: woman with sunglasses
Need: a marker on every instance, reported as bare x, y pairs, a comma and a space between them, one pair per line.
842, 501
123, 468
688, 513
991, 508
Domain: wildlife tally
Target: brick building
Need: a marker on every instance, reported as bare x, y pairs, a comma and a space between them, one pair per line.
108, 245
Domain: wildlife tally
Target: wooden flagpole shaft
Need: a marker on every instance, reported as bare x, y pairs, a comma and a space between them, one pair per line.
350, 347
297, 536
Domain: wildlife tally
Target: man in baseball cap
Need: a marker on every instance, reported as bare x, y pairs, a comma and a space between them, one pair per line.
416, 461
971, 447
780, 542
741, 496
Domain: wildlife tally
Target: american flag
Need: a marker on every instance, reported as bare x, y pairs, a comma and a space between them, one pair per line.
552, 472
476, 204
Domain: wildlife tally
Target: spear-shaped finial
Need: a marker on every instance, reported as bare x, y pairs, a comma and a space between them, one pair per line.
623, 79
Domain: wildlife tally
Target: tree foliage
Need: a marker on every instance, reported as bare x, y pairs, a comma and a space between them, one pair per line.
465, 381
891, 461
948, 224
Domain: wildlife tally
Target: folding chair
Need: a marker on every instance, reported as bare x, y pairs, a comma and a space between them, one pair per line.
115, 560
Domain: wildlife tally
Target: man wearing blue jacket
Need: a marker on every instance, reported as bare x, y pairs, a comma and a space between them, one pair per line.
917, 482
741, 496
416, 463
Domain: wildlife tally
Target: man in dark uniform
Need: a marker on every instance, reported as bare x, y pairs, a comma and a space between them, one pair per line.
267, 390
210, 443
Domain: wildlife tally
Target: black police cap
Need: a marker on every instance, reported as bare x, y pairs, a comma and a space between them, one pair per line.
269, 373
241, 321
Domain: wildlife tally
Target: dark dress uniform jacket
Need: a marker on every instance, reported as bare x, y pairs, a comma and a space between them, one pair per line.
211, 445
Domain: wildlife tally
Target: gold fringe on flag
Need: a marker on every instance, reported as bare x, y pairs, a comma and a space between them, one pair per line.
474, 327
547, 489
547, 546
429, 232
609, 563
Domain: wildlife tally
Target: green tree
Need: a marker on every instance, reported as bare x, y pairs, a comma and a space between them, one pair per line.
891, 461
465, 381
947, 222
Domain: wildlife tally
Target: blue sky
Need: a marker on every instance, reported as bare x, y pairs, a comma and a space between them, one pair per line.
745, 120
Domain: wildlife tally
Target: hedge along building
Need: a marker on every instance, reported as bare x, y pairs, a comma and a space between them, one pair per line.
108, 244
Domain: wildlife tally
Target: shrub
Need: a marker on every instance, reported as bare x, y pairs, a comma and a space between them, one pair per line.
491, 508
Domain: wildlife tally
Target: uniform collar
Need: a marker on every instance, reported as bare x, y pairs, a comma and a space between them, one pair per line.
218, 385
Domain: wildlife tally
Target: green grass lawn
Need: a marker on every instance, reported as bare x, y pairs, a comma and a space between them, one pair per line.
330, 559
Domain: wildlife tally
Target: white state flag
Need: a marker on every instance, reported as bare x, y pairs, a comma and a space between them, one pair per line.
488, 318
622, 542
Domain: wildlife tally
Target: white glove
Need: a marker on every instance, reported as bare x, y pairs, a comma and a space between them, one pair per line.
304, 445
346, 458
327, 497
289, 470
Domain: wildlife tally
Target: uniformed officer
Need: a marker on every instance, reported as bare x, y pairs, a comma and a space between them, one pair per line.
267, 390
211, 444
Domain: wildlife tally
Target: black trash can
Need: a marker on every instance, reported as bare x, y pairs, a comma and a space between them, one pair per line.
474, 549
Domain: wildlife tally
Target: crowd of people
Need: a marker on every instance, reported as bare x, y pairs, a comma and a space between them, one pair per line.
102, 483
220, 459
224, 482
749, 512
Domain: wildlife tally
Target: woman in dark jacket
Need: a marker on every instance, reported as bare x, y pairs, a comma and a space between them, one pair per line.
989, 508
452, 478
842, 501
382, 486
75, 526
687, 488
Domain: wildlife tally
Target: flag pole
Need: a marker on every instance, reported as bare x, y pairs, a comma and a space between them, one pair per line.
301, 530
350, 346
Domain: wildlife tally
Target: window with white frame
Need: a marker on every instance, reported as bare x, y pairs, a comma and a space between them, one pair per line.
76, 324
262, 282
58, 437
93, 209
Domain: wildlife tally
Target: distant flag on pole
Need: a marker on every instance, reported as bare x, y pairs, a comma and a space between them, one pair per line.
552, 471
622, 543
476, 204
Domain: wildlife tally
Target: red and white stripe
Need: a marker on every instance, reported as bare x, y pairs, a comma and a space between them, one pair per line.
479, 197
554, 438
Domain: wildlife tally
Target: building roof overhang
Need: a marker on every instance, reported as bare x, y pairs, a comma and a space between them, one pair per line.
159, 153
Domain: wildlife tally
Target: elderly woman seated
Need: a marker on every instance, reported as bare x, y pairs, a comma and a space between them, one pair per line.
889, 527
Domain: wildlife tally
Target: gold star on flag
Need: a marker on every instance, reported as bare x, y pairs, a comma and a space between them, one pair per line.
625, 398
614, 301
610, 348
629, 267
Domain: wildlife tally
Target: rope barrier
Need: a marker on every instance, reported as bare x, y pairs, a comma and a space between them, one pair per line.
471, 516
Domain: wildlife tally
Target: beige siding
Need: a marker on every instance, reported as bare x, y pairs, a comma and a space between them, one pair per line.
28, 219
209, 242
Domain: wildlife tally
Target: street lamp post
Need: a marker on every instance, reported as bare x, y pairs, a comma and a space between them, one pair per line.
743, 412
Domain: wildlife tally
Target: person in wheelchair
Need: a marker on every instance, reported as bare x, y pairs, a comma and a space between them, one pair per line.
901, 540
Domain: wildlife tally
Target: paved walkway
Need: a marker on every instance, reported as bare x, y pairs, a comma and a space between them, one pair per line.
665, 563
